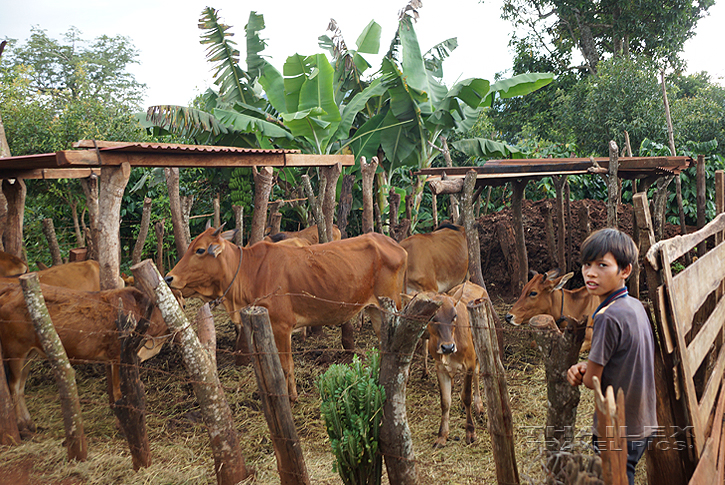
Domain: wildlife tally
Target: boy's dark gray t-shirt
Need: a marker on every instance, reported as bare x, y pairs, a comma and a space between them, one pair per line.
622, 342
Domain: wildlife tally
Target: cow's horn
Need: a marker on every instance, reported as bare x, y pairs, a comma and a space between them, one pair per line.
218, 230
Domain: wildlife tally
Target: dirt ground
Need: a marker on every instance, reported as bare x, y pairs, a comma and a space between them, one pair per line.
179, 441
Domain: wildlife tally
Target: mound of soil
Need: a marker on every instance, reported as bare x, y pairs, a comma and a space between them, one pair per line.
497, 228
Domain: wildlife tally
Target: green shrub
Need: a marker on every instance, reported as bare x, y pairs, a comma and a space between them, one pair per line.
352, 405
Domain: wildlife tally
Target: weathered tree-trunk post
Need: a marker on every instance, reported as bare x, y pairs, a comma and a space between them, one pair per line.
613, 185
73, 203
187, 202
113, 183
228, 461
177, 217
701, 201
159, 231
550, 234
206, 331
560, 351
13, 235
131, 408
90, 189
315, 206
345, 206
610, 423
498, 408
49, 233
273, 392
434, 209
518, 222
473, 244
143, 231
665, 458
262, 188
239, 224
394, 208
331, 174
569, 242
368, 174
9, 433
217, 211
559, 181
399, 335
75, 439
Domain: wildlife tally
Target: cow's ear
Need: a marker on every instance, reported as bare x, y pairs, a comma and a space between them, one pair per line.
550, 275
229, 235
208, 224
405, 298
214, 249
563, 280
532, 273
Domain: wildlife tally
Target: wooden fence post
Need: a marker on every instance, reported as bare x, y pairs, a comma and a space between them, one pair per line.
275, 399
345, 205
263, 181
518, 222
9, 433
368, 175
239, 224
75, 439
613, 185
49, 233
131, 408
399, 335
228, 461
560, 351
701, 202
315, 206
498, 409
610, 423
13, 234
113, 183
331, 174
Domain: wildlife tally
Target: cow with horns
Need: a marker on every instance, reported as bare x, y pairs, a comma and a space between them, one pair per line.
321, 284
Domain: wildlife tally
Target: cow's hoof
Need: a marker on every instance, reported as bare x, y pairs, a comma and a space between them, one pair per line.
470, 438
439, 443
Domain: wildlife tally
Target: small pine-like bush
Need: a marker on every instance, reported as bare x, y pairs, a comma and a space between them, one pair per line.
352, 406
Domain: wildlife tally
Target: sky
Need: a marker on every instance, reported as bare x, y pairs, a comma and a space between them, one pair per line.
173, 66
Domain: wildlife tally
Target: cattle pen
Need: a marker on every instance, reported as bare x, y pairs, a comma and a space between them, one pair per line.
174, 414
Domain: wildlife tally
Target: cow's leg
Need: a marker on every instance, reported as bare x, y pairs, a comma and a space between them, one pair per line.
283, 339
445, 385
18, 370
466, 395
376, 318
477, 401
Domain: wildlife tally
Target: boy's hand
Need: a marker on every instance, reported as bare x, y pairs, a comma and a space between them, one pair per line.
575, 374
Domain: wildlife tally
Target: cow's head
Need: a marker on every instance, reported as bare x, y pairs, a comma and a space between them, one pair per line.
536, 297
208, 265
442, 327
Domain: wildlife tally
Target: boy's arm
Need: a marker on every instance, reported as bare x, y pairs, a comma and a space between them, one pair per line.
583, 373
592, 369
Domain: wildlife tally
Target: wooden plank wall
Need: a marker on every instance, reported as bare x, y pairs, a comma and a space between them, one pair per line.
695, 316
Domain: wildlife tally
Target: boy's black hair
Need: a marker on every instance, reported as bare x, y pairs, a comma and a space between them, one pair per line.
610, 240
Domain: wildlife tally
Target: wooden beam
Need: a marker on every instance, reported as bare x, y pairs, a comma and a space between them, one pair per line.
68, 158
50, 173
315, 160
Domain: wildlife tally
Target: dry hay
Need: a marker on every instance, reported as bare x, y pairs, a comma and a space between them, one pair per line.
180, 445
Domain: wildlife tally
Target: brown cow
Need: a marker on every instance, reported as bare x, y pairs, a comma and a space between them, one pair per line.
310, 234
86, 325
322, 284
81, 275
437, 261
451, 345
545, 294
11, 265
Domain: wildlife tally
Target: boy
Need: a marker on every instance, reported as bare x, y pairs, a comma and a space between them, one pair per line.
622, 353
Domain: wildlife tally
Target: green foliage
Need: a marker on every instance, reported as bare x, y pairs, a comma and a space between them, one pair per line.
352, 405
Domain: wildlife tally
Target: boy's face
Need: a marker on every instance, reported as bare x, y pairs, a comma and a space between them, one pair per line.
603, 276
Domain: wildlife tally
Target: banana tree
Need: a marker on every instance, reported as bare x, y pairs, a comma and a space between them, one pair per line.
419, 109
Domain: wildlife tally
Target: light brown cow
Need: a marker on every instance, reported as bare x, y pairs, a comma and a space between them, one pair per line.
451, 345
11, 265
86, 325
437, 261
322, 284
310, 234
80, 275
545, 294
